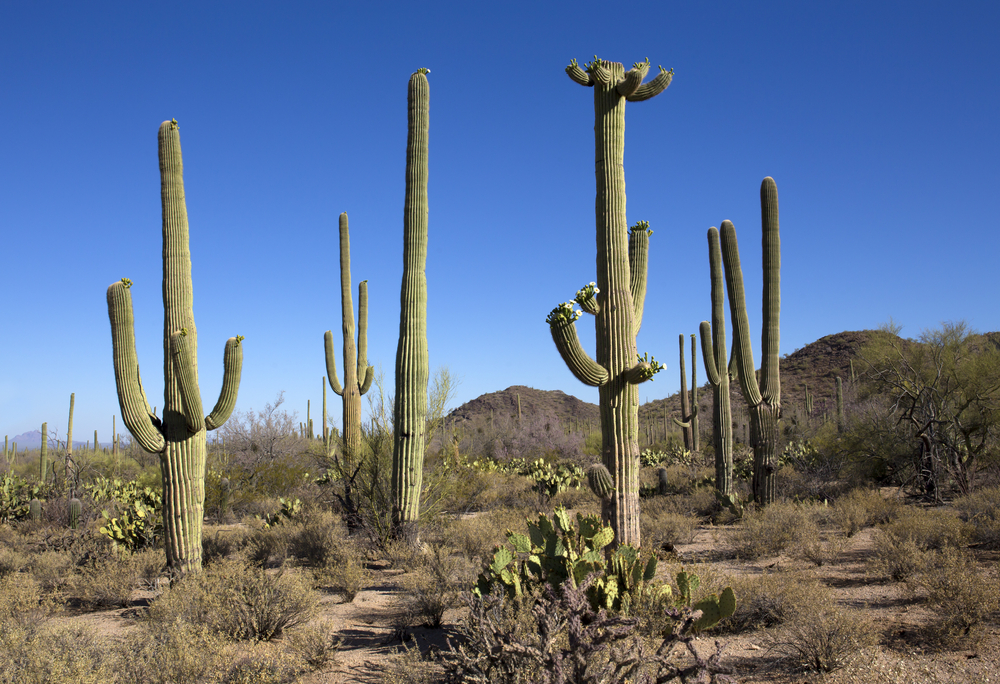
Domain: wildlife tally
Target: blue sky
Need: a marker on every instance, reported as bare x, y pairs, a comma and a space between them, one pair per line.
877, 120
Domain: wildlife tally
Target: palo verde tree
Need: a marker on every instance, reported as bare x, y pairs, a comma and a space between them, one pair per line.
412, 364
944, 390
764, 399
616, 299
179, 438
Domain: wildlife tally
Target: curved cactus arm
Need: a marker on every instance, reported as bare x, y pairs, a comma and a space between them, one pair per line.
135, 409
708, 353
638, 257
188, 381
653, 88
579, 75
742, 348
584, 368
331, 364
633, 79
232, 365
644, 370
586, 297
770, 380
365, 372
686, 423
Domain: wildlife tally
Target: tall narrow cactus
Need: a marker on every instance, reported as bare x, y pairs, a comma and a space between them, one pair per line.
326, 432
410, 410
69, 440
179, 438
840, 405
763, 400
685, 422
713, 352
358, 374
616, 300
43, 457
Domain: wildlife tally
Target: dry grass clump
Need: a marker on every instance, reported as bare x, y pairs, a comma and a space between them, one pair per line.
342, 571
660, 524
769, 531
22, 604
903, 547
476, 536
52, 570
982, 510
12, 561
107, 582
773, 599
317, 644
814, 544
55, 654
238, 601
826, 640
171, 651
961, 594
863, 508
437, 585
262, 663
219, 542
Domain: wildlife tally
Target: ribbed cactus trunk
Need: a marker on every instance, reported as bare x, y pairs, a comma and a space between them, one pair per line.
179, 438
355, 356
69, 442
43, 457
685, 422
713, 352
617, 303
410, 410
763, 401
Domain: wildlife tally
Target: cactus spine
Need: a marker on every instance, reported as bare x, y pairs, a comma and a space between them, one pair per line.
179, 438
713, 352
618, 297
43, 458
410, 408
358, 374
763, 400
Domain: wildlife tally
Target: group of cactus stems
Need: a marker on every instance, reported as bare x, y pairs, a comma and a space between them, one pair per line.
179, 436
616, 301
689, 410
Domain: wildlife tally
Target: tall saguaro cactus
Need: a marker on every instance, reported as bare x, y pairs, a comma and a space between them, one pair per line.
713, 352
689, 409
358, 374
410, 409
763, 400
616, 300
179, 438
69, 439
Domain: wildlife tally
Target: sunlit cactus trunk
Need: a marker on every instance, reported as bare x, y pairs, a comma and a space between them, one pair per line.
618, 297
713, 351
410, 410
179, 438
763, 401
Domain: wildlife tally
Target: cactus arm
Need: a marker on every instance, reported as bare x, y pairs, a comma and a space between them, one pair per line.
686, 423
579, 75
653, 88
232, 365
187, 381
707, 353
633, 79
584, 368
742, 348
331, 364
366, 372
131, 398
638, 257
770, 380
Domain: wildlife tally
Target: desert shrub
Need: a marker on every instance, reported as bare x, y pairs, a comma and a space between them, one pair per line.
238, 601
476, 536
168, 652
962, 595
437, 585
812, 543
931, 528
317, 644
660, 525
218, 543
982, 510
22, 604
895, 558
342, 573
55, 654
769, 531
863, 508
773, 599
825, 640
270, 546
318, 537
51, 569
262, 664
12, 561
108, 582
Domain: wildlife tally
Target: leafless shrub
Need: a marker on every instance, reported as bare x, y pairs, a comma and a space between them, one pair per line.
824, 641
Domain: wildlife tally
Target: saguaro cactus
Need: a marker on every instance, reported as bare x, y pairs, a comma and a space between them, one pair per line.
43, 457
410, 409
763, 401
358, 374
689, 409
69, 440
179, 438
713, 352
616, 299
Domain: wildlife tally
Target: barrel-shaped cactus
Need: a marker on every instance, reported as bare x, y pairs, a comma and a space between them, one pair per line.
616, 299
600, 481
179, 438
75, 509
713, 352
764, 399
412, 365
35, 510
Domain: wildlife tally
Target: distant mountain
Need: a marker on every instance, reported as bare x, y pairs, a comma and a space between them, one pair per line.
565, 408
33, 440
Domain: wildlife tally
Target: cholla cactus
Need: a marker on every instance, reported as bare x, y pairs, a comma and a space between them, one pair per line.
179, 438
616, 298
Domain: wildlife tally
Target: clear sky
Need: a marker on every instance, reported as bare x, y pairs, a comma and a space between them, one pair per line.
878, 120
